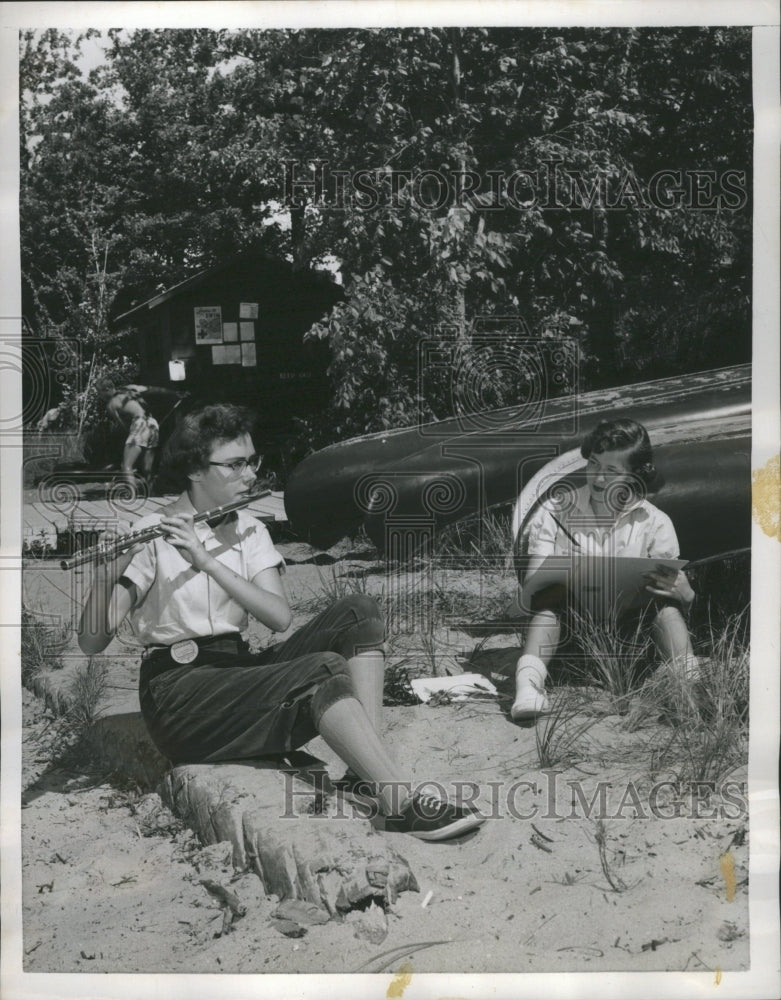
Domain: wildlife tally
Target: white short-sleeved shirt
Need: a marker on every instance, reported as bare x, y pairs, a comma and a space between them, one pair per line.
176, 601
640, 530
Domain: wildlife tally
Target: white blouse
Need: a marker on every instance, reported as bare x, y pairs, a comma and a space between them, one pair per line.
640, 530
176, 601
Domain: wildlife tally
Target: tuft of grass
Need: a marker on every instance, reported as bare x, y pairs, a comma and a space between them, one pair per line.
708, 754
42, 645
558, 734
707, 714
724, 680
481, 540
460, 604
74, 711
333, 586
85, 693
614, 662
429, 654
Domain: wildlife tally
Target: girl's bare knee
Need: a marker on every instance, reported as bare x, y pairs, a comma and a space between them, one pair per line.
669, 616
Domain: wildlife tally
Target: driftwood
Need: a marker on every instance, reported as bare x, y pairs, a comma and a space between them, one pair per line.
336, 868
277, 828
233, 908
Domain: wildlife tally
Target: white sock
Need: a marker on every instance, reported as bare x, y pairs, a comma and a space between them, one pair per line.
530, 671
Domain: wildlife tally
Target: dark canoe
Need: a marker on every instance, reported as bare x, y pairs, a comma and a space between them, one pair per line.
405, 485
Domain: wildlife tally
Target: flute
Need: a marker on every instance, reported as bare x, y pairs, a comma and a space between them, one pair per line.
154, 531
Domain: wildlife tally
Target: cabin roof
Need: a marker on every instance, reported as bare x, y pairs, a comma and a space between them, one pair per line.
308, 276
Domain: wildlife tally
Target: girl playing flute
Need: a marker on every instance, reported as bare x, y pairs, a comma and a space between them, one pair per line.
204, 696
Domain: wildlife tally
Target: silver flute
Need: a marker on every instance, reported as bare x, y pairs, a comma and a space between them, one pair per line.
124, 542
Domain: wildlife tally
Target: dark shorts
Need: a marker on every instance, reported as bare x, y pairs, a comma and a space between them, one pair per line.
230, 704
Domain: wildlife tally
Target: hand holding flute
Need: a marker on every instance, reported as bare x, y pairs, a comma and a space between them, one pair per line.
109, 556
176, 529
180, 533
112, 545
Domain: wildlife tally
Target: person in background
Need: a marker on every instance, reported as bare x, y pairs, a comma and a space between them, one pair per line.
127, 408
51, 420
610, 516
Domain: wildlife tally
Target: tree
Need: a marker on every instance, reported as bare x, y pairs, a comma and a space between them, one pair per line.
173, 155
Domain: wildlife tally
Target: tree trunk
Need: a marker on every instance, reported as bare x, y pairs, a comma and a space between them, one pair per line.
454, 35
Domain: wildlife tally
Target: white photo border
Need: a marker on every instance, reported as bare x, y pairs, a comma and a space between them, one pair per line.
762, 980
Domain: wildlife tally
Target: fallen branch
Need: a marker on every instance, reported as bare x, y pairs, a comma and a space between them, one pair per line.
233, 908
225, 897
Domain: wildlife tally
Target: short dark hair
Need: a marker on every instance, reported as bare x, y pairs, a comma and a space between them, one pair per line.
189, 447
616, 435
105, 384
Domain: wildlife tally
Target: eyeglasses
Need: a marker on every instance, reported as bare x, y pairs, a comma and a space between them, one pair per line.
238, 465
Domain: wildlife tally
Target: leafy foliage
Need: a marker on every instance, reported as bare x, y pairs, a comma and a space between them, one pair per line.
171, 155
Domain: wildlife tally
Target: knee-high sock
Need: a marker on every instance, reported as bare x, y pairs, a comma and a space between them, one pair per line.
346, 728
367, 671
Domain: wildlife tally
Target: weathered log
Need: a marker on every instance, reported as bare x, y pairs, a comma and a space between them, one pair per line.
336, 862
339, 865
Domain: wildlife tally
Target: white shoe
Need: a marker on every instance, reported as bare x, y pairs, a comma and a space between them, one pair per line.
530, 701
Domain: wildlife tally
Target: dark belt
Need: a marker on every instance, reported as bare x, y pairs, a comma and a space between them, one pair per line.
157, 659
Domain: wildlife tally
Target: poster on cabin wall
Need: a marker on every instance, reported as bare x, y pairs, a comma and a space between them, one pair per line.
248, 310
247, 331
208, 324
226, 354
230, 332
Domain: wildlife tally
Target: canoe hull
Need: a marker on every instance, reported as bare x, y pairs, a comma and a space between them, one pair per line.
415, 481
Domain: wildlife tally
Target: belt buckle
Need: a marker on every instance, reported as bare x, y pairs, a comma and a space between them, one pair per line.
184, 651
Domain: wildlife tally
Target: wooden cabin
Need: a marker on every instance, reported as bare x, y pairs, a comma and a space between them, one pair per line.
235, 333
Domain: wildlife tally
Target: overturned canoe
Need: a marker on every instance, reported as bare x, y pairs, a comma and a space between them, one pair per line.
405, 485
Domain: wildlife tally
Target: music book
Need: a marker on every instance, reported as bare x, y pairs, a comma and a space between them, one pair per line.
600, 586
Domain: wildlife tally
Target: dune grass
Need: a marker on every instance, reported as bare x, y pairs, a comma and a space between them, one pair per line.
693, 730
697, 728
42, 643
479, 540
707, 715
332, 585
559, 734
611, 659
